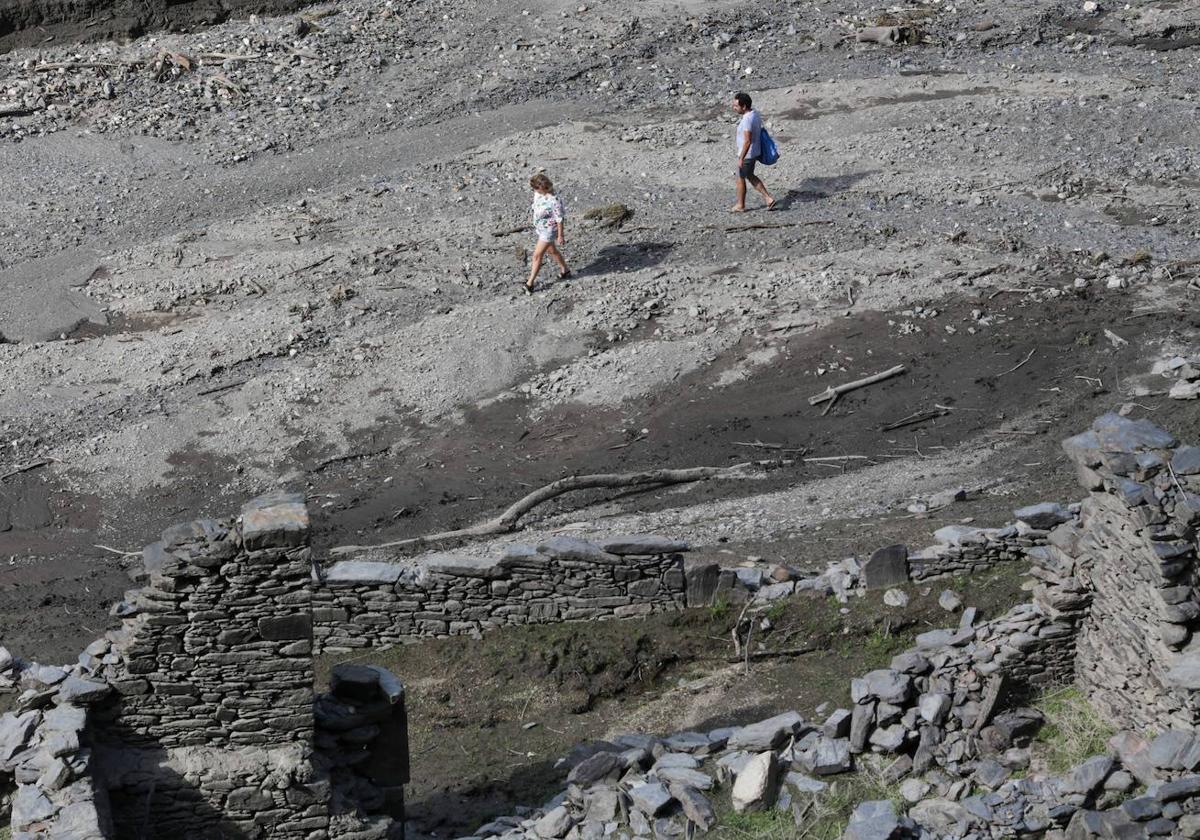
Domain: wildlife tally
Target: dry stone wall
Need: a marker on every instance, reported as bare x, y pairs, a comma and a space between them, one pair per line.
367, 604
1134, 551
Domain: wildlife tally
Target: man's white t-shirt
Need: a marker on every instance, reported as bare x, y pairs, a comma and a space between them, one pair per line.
749, 122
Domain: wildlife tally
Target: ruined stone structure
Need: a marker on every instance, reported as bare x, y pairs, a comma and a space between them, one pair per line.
371, 604
198, 718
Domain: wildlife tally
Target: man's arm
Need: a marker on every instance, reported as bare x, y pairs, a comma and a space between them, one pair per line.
745, 150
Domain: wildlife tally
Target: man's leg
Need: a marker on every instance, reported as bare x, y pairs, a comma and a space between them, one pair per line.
758, 184
741, 194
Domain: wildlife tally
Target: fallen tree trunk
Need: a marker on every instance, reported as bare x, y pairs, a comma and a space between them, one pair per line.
507, 521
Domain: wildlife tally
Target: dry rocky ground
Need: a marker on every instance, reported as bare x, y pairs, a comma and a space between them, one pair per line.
281, 252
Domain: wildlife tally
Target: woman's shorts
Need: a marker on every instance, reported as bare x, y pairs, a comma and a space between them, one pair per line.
746, 170
547, 234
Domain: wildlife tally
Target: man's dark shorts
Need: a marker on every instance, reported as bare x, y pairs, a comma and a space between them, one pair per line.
746, 170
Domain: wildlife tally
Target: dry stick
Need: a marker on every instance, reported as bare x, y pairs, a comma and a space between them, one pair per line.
221, 388
836, 458
737, 642
506, 522
510, 231
1018, 364
914, 418
832, 393
25, 468
766, 226
773, 654
321, 261
118, 551
1012, 292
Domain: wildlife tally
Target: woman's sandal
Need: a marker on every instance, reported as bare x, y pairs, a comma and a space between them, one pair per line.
528, 289
565, 275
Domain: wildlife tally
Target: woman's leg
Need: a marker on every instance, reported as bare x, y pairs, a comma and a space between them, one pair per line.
558, 258
539, 251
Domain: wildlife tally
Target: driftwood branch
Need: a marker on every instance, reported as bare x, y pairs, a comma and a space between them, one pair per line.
836, 391
25, 468
507, 521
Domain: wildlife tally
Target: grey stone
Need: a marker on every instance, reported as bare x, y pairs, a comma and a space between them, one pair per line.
651, 798
887, 685
749, 578
646, 545
556, 823
30, 805
910, 662
1186, 672
828, 756
700, 582
805, 784
82, 692
888, 738
1085, 778
734, 762
695, 806
570, 548
593, 769
687, 742
943, 816
895, 598
1142, 808
673, 776
15, 732
676, 760
1183, 788
874, 820
775, 591
363, 571
757, 785
1115, 433
602, 804
1043, 516
861, 720
766, 734
1167, 749
949, 601
886, 567
1186, 460
914, 790
990, 773
837, 725
275, 520
934, 707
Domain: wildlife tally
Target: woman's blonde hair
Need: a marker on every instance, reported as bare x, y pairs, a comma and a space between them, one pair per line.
541, 182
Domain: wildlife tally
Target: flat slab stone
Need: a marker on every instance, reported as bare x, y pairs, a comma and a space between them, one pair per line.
82, 692
275, 520
1043, 516
766, 734
1186, 672
1186, 460
570, 548
886, 567
363, 571
642, 546
1120, 434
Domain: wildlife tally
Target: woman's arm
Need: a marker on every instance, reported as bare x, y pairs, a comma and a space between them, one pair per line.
559, 219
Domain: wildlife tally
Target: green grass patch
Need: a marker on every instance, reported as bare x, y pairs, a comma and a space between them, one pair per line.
1073, 730
823, 819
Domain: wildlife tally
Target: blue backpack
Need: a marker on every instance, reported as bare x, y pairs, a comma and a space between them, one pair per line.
768, 152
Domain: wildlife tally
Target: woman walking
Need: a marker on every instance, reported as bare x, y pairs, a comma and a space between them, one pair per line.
548, 222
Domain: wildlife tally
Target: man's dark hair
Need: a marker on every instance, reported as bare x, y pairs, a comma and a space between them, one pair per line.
743, 99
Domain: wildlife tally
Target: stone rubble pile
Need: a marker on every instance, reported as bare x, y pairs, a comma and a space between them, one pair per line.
1185, 376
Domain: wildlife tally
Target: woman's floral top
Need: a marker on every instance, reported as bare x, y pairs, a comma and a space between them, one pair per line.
547, 215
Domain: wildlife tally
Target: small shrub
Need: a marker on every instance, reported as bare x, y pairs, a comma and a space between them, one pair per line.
776, 611
609, 216
1073, 730
719, 609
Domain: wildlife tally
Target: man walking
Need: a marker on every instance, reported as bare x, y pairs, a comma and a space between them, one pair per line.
749, 132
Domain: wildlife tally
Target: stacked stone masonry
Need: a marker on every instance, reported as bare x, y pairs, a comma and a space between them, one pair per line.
370, 604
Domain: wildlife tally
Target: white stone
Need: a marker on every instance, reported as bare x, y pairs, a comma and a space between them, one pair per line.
757, 784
